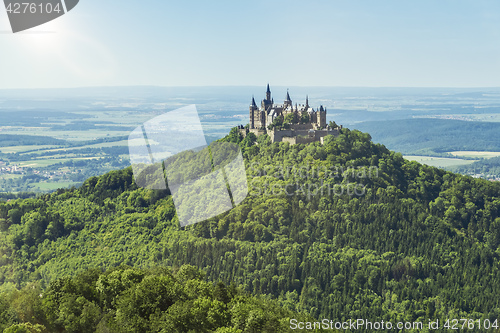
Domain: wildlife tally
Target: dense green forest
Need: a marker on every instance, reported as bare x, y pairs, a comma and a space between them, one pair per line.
433, 136
409, 242
125, 299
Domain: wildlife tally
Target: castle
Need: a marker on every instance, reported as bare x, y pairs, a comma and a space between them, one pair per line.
287, 122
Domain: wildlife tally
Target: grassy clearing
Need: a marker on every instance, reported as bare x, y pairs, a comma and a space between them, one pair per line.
53, 186
440, 162
10, 176
47, 162
65, 156
70, 135
98, 145
69, 149
20, 149
475, 154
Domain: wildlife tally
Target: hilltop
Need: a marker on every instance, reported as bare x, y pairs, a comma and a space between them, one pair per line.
347, 229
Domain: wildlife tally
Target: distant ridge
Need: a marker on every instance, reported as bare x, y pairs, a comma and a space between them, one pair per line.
414, 136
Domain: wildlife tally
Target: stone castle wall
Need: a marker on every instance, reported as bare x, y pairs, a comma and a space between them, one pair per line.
301, 126
290, 140
301, 136
294, 136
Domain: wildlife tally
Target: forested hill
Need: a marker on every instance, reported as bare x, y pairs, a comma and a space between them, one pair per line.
409, 243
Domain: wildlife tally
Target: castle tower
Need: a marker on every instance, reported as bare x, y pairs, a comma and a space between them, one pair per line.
253, 111
266, 103
307, 102
288, 100
321, 119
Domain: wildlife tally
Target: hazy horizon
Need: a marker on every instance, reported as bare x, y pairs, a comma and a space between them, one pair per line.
253, 86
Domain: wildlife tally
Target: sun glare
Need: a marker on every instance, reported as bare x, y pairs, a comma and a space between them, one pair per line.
80, 55
44, 38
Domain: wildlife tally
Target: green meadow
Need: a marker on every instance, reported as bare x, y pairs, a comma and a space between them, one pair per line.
475, 154
440, 162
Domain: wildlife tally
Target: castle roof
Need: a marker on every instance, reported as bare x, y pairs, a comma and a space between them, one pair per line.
253, 102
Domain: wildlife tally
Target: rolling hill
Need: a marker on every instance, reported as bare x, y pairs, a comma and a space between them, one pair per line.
348, 229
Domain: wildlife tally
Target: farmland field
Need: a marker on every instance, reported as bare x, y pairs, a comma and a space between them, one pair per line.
38, 163
475, 154
46, 187
440, 162
21, 149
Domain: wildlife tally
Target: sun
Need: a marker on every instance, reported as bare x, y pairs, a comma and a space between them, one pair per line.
44, 38
79, 54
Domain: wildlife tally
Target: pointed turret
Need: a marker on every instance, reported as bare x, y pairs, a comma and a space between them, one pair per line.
253, 114
307, 101
288, 101
268, 93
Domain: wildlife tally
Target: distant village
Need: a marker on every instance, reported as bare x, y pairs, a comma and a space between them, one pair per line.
491, 178
17, 170
10, 169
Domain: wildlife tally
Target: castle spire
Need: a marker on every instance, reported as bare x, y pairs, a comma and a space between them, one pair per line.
307, 101
288, 101
253, 102
268, 93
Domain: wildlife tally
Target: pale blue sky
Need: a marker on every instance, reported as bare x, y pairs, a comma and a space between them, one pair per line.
288, 43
